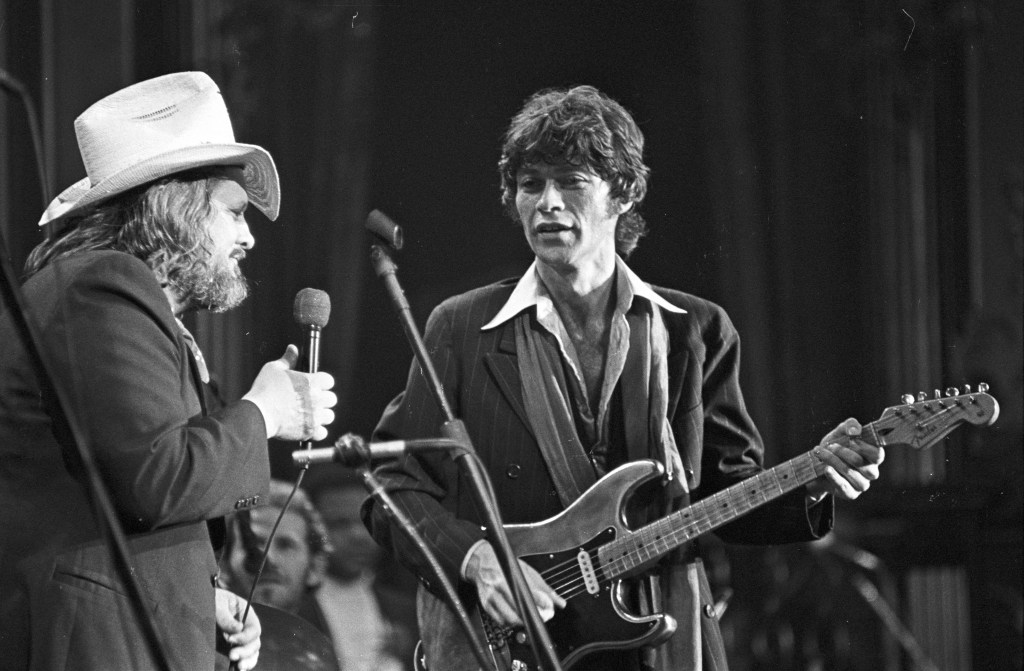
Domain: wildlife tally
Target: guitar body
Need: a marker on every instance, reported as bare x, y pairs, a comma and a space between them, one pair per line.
590, 621
587, 552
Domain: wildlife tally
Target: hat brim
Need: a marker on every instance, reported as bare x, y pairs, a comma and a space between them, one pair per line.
261, 181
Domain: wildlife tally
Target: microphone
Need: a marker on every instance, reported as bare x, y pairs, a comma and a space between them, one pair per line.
384, 228
312, 309
351, 450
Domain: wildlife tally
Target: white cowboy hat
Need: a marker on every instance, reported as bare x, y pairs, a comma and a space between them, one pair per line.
156, 128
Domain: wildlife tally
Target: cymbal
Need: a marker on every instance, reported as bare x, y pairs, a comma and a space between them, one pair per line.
290, 643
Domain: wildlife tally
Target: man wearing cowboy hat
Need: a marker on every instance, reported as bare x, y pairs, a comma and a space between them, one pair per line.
156, 229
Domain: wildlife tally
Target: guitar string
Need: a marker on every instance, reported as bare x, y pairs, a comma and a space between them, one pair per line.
567, 576
660, 543
620, 563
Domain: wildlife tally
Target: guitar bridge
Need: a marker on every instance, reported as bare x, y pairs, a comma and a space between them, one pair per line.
587, 570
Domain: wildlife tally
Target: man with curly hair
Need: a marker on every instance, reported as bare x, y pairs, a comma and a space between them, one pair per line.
572, 370
157, 229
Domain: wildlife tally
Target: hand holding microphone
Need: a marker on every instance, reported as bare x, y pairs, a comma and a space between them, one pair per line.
297, 405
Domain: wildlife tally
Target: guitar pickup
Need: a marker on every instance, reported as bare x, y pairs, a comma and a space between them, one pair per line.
587, 570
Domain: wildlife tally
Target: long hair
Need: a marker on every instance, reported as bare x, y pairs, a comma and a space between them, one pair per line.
162, 223
583, 127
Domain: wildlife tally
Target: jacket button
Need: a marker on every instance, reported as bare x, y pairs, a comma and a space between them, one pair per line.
513, 470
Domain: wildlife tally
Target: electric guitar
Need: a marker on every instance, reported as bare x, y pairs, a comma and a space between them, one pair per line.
585, 551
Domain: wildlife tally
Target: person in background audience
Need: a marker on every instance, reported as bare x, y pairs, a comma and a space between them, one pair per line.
367, 600
297, 559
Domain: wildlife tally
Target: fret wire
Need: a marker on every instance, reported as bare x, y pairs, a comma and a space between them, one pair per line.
663, 535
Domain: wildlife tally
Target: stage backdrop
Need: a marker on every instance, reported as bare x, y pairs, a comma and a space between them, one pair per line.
844, 178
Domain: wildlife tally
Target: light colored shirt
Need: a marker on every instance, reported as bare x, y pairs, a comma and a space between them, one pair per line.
531, 292
358, 629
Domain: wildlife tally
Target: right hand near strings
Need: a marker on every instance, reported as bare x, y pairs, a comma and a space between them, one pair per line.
484, 570
295, 405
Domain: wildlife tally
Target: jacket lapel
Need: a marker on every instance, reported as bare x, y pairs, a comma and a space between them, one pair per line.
503, 367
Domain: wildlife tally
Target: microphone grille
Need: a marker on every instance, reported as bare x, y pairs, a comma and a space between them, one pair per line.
312, 308
384, 228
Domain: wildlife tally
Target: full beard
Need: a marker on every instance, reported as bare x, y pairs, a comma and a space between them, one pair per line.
217, 286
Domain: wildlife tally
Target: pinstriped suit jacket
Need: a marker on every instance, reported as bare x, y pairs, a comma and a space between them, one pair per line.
717, 439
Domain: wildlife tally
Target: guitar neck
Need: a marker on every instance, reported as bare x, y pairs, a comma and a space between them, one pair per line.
654, 540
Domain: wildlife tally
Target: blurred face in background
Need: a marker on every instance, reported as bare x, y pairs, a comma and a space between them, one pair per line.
355, 551
291, 569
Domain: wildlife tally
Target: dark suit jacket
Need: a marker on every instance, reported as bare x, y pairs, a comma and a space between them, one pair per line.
717, 440
169, 466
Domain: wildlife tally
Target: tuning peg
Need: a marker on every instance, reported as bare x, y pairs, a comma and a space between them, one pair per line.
983, 387
907, 398
938, 394
952, 391
967, 389
921, 396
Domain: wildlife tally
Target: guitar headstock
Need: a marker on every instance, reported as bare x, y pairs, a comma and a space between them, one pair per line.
922, 422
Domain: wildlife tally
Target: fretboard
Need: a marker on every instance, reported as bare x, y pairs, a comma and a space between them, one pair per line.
658, 538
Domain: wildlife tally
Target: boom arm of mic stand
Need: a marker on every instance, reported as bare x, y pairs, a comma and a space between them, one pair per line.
453, 428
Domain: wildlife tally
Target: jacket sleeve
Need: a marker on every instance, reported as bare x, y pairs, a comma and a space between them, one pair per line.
424, 487
732, 448
130, 388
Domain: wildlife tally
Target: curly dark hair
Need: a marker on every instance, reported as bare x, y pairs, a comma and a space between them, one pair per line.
583, 127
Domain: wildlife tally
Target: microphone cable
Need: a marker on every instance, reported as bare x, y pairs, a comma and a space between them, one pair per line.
312, 309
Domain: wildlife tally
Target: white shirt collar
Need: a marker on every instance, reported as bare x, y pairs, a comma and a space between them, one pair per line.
530, 291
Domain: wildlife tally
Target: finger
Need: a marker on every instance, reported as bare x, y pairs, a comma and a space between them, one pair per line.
545, 606
851, 427
290, 358
844, 487
501, 610
323, 416
870, 472
866, 454
848, 479
244, 651
321, 380
230, 626
325, 399
857, 454
244, 643
830, 454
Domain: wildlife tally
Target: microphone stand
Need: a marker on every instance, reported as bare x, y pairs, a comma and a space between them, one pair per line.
466, 457
17, 88
103, 506
377, 491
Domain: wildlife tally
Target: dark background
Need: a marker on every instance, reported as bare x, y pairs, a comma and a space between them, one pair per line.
845, 178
